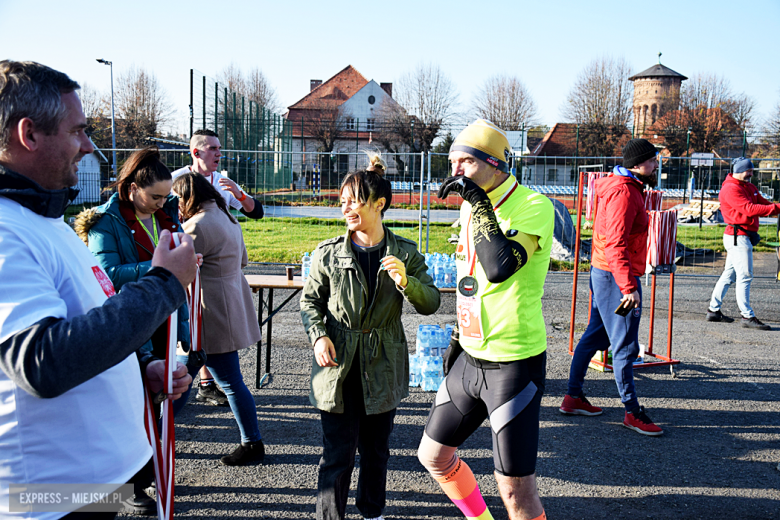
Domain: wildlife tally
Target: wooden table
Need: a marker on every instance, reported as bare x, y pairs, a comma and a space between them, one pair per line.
258, 283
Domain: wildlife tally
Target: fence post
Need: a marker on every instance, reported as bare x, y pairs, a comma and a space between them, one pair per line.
192, 73
428, 223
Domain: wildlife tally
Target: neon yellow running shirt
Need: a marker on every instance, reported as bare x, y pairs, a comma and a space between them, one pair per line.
511, 311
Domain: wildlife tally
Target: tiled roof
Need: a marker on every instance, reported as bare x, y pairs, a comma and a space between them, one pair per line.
337, 89
560, 141
657, 71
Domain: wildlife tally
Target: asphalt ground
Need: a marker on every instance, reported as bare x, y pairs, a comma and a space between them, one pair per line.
718, 458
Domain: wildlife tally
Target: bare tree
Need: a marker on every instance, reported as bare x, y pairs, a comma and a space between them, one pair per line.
429, 98
253, 86
395, 131
327, 123
260, 91
772, 128
602, 94
505, 101
600, 103
97, 108
141, 105
710, 111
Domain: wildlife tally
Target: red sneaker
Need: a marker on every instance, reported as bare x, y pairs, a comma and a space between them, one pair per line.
578, 406
641, 423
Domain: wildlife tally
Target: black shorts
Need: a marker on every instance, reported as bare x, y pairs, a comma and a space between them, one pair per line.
509, 393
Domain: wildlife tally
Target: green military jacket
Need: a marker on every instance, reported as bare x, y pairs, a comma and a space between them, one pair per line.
334, 304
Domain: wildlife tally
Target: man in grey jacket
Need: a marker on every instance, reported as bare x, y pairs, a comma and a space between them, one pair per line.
71, 393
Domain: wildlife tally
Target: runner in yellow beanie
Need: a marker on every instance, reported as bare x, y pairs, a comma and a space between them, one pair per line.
499, 369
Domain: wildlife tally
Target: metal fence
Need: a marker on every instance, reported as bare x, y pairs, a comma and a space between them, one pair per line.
296, 185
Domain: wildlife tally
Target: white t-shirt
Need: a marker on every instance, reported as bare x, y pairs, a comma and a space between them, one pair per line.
230, 200
94, 433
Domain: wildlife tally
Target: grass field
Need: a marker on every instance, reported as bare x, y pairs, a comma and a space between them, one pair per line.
284, 240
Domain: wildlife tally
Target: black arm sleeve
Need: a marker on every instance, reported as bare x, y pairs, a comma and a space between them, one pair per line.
500, 257
54, 355
256, 213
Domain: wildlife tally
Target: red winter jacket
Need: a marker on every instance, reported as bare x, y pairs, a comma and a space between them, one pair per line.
620, 230
742, 204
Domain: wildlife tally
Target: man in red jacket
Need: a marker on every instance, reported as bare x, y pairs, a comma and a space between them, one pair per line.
741, 205
618, 260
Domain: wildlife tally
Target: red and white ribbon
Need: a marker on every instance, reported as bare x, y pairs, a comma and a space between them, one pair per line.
164, 442
590, 201
661, 237
654, 200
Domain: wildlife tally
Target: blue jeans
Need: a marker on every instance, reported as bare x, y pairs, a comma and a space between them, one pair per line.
606, 328
227, 373
179, 403
739, 267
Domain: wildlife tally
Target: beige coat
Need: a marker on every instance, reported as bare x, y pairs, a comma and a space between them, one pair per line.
229, 319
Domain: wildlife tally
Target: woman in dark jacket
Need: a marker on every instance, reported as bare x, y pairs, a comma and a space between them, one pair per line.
122, 234
351, 309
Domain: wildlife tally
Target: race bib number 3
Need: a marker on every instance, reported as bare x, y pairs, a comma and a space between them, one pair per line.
469, 317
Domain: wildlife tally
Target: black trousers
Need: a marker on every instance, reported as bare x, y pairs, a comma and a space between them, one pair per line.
343, 434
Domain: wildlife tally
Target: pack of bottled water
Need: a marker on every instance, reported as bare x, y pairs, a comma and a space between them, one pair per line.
426, 364
442, 269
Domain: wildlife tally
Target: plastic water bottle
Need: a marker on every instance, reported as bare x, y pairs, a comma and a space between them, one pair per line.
438, 270
305, 266
415, 375
449, 272
424, 337
431, 373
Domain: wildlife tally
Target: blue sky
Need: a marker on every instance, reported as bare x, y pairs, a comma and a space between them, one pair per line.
545, 44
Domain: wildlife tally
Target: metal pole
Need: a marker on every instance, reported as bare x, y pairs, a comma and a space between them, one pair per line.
428, 220
577, 150
204, 102
701, 203
422, 183
576, 262
113, 127
411, 156
744, 142
357, 140
688, 177
524, 142
192, 102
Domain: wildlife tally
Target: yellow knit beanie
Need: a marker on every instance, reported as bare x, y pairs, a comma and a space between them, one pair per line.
486, 142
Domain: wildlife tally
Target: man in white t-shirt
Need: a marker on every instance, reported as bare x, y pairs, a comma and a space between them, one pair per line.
206, 151
71, 393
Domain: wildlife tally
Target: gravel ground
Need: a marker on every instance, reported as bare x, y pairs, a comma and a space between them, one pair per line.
719, 456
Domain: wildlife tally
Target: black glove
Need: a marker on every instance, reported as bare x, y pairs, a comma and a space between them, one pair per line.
453, 351
464, 187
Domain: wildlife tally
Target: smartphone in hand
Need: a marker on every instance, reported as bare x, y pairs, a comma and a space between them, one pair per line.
623, 309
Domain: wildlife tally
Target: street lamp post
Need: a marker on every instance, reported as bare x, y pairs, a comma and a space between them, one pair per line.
113, 128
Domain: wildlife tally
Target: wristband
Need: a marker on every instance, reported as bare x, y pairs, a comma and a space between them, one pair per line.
242, 198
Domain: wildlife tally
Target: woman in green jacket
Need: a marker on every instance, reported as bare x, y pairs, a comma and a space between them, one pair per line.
351, 309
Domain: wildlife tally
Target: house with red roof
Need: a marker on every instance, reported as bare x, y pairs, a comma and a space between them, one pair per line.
339, 116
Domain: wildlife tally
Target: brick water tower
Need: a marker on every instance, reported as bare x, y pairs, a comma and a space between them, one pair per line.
656, 91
